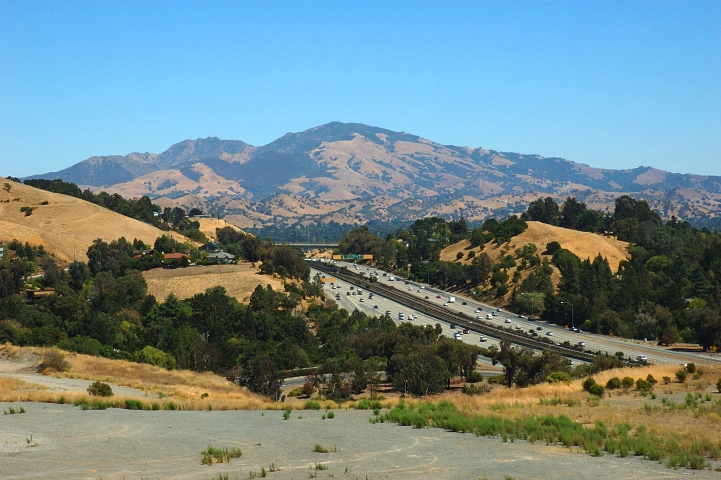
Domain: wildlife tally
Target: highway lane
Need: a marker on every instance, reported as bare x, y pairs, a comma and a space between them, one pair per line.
593, 342
379, 305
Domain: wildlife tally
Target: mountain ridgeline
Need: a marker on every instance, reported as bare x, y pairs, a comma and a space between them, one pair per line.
352, 173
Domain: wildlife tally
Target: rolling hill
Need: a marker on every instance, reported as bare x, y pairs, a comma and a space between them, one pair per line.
64, 225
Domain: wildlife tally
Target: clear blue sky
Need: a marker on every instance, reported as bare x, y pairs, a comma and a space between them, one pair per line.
611, 84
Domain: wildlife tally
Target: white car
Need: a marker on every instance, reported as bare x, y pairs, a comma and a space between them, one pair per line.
478, 310
495, 314
362, 299
549, 333
479, 317
508, 320
483, 339
518, 327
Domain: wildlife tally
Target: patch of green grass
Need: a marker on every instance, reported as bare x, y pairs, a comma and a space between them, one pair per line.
320, 448
12, 411
311, 405
219, 455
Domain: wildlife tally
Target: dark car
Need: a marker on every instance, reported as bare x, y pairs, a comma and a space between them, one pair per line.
438, 296
466, 331
539, 328
464, 303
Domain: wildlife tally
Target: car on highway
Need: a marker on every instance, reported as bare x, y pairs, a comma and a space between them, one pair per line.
479, 317
549, 333
495, 314
464, 303
581, 344
483, 339
438, 296
508, 320
426, 297
539, 328
520, 315
375, 307
641, 358
466, 331
453, 325
478, 310
445, 304
518, 327
362, 299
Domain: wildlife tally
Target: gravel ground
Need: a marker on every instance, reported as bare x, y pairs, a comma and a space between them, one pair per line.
63, 441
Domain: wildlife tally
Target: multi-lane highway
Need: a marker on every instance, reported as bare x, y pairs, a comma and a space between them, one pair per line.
379, 305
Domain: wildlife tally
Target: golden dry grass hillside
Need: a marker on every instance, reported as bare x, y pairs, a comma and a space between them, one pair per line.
584, 245
63, 225
239, 281
186, 389
209, 226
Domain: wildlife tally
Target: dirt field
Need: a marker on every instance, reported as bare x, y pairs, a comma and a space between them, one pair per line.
239, 281
62, 441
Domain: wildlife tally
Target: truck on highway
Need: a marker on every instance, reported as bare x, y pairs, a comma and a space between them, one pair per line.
451, 299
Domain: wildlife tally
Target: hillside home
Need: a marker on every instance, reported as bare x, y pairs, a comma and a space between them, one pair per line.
175, 256
221, 257
209, 247
32, 296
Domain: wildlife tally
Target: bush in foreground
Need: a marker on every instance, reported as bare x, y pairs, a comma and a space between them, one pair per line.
100, 389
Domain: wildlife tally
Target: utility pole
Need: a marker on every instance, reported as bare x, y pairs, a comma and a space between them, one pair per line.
573, 326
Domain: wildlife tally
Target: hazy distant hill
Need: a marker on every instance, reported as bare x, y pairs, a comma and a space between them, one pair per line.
353, 173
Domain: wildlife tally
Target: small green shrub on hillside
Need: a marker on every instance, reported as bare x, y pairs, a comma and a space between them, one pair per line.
100, 389
588, 383
613, 383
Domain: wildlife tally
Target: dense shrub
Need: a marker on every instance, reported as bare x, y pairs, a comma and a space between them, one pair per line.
588, 383
100, 389
627, 382
558, 377
613, 383
596, 390
691, 368
155, 356
643, 385
681, 375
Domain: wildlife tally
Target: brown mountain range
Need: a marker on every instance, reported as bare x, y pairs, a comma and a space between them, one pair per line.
354, 173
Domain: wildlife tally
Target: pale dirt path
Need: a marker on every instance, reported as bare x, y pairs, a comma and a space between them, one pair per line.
24, 367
